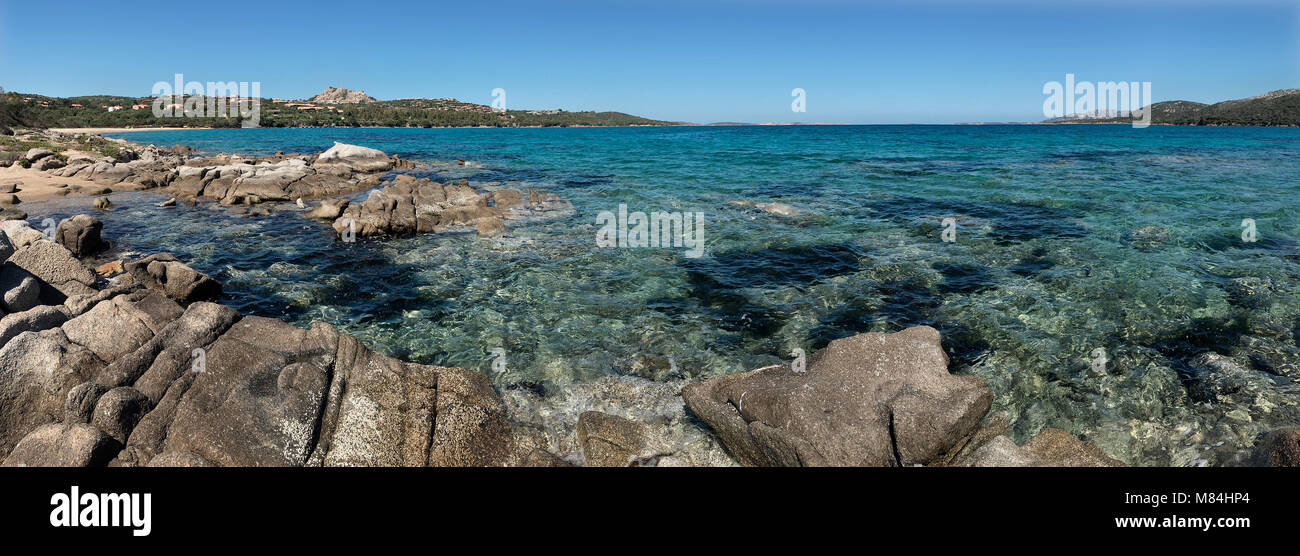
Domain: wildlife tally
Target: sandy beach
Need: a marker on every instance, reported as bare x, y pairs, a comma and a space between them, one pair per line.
102, 130
37, 186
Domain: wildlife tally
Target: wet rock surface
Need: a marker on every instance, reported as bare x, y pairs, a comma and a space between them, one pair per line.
611, 441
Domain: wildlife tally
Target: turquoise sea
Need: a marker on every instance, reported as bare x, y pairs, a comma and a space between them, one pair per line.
1069, 241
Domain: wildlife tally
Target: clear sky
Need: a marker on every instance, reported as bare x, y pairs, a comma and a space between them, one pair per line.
926, 61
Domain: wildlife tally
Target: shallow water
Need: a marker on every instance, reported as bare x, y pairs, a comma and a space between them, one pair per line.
1043, 271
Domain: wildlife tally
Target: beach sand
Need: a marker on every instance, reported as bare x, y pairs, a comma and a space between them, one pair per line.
38, 186
102, 130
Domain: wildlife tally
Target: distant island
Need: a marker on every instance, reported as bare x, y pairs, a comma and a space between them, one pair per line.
1277, 108
333, 107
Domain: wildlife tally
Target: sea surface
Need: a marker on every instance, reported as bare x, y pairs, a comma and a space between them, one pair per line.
1092, 267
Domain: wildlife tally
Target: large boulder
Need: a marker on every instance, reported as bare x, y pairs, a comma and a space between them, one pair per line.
868, 400
48, 163
37, 153
49, 262
271, 394
6, 247
37, 371
115, 327
118, 410
20, 289
156, 364
64, 445
256, 399
385, 412
80, 235
355, 158
163, 272
36, 319
267, 182
328, 209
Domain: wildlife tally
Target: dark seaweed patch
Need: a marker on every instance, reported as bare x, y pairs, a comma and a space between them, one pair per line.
1033, 264
716, 282
587, 180
1011, 222
1281, 247
1184, 342
733, 311
904, 303
963, 278
1194, 337
781, 266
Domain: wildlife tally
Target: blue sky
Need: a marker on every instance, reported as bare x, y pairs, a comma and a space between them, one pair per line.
927, 61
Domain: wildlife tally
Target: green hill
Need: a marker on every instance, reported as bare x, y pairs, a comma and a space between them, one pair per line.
94, 111
1278, 108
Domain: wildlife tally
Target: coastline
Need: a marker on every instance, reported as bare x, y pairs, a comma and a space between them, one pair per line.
37, 186
101, 130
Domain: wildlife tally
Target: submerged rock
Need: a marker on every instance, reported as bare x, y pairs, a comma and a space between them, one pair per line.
1049, 448
777, 208
1147, 237
1249, 292
489, 227
610, 441
1280, 449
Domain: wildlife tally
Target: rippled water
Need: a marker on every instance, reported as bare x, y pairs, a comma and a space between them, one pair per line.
1043, 271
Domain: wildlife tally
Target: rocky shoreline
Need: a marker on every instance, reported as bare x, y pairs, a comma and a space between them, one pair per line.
136, 365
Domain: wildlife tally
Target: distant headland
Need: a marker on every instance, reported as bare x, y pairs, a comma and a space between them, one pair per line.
333, 107
1277, 108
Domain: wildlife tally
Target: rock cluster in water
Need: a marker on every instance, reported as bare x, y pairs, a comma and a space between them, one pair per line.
234, 179
409, 205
